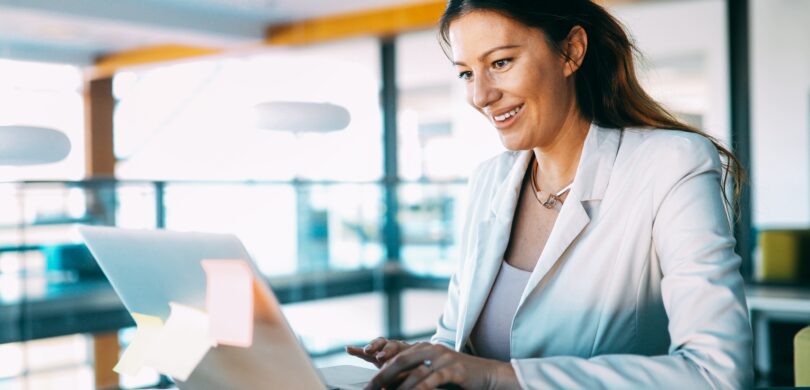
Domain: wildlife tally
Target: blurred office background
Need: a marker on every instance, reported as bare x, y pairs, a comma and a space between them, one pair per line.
357, 229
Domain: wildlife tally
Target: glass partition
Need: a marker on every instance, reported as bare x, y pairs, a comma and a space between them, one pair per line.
287, 229
431, 217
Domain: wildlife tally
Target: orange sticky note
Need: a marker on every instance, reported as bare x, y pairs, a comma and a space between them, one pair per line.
229, 303
134, 358
182, 343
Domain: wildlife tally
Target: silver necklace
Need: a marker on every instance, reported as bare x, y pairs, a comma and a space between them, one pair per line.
552, 198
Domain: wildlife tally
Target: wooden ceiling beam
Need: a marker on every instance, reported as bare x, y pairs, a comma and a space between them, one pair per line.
107, 66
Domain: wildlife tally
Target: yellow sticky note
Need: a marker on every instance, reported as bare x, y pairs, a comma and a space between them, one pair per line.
133, 359
182, 343
229, 301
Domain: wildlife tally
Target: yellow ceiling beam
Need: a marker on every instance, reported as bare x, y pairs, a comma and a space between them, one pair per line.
107, 66
375, 22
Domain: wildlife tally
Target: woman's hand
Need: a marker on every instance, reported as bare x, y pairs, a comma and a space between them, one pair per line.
426, 366
379, 350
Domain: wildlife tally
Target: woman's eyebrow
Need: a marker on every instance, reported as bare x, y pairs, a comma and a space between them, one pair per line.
488, 52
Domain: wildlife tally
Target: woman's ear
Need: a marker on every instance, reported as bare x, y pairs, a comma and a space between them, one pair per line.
574, 49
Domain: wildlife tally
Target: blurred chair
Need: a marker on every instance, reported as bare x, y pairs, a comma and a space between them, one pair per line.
783, 256
801, 348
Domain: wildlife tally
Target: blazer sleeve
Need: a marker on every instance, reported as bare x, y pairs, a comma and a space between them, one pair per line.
701, 287
447, 325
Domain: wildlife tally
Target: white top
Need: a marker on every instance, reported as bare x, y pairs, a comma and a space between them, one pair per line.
491, 335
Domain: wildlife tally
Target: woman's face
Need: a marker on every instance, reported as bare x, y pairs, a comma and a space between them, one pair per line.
513, 77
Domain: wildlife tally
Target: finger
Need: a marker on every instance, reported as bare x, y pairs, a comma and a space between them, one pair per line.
404, 361
388, 351
393, 385
358, 352
416, 376
434, 380
398, 381
439, 364
375, 345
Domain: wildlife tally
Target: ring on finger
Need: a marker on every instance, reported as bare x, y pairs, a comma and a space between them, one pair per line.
428, 363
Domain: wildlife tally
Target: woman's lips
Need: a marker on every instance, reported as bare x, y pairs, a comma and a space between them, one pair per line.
506, 119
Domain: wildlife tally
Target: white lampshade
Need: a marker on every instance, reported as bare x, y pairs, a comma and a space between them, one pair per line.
29, 145
301, 116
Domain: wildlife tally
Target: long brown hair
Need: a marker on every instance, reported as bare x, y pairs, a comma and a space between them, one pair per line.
607, 90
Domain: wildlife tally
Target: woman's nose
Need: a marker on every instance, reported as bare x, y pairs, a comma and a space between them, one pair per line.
484, 92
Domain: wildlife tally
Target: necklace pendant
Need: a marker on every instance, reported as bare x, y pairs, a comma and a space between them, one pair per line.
551, 201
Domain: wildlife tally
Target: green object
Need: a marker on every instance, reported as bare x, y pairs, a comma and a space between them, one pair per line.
784, 254
801, 350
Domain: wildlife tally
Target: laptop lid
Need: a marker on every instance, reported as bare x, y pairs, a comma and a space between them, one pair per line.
150, 268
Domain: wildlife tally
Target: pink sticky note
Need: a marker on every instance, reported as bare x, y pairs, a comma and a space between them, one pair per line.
230, 301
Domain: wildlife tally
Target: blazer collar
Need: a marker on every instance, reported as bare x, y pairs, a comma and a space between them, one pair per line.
590, 182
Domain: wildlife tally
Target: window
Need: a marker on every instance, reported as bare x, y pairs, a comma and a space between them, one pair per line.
195, 120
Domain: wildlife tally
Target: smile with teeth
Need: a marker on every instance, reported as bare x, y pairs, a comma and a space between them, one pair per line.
501, 118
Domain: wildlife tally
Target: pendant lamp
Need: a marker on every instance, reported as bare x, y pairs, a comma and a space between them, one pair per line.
31, 145
301, 117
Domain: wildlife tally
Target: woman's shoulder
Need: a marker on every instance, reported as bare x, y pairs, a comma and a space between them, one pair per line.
666, 138
668, 147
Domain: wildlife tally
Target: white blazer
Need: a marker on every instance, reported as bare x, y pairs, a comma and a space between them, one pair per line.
638, 285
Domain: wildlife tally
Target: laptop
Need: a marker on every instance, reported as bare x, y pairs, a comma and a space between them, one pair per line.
150, 268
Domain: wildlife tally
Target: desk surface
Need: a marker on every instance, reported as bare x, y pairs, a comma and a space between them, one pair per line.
788, 299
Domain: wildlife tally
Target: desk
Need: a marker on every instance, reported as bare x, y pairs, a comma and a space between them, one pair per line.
767, 303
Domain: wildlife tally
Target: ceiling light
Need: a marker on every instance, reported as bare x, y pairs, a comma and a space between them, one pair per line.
30, 145
300, 117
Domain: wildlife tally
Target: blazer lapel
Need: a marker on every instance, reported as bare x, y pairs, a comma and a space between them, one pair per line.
491, 240
590, 184
570, 223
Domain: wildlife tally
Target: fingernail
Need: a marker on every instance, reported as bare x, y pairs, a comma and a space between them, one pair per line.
366, 347
379, 355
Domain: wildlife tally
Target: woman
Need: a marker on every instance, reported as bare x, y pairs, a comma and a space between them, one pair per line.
597, 252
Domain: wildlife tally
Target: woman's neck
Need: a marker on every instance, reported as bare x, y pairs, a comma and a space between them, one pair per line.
558, 161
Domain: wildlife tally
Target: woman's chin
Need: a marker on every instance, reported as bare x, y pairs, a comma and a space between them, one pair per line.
510, 142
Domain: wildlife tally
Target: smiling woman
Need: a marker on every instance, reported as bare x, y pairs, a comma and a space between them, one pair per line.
597, 251
503, 62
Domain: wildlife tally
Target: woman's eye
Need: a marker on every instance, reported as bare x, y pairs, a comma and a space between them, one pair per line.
501, 63
466, 75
